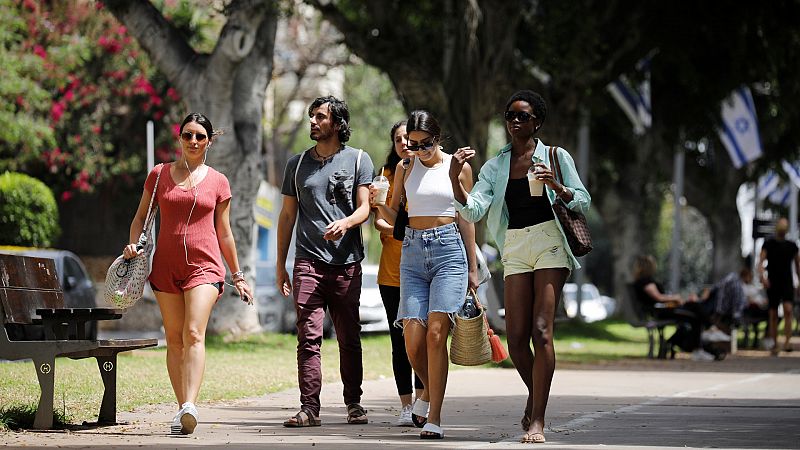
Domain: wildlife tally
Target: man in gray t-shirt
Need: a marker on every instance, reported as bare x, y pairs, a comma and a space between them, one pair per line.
326, 194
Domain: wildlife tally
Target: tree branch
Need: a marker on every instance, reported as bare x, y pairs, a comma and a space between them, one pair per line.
160, 39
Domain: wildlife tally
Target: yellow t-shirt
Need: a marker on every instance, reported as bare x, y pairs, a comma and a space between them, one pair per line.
389, 266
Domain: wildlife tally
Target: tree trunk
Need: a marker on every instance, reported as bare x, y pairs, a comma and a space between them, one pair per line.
712, 190
228, 86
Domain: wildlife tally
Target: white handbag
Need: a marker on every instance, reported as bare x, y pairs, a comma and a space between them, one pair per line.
125, 278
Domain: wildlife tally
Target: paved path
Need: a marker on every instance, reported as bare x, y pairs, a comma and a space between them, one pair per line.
747, 401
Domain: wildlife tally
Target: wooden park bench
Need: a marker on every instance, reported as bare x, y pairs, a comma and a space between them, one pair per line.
30, 295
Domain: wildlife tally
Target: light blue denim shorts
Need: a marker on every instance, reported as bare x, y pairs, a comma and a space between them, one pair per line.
433, 273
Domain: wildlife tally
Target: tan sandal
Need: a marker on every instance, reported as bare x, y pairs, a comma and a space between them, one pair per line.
533, 438
304, 418
356, 414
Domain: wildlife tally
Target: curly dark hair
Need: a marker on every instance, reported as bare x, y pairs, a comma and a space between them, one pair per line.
532, 98
339, 114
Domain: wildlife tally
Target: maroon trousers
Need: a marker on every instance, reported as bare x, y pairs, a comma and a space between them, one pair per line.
317, 286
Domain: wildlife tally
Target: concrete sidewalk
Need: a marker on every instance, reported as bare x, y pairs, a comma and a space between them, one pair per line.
747, 401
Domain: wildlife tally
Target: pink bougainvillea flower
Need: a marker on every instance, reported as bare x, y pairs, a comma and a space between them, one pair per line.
65, 196
39, 51
173, 94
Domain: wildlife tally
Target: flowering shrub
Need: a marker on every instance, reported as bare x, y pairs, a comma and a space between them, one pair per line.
78, 94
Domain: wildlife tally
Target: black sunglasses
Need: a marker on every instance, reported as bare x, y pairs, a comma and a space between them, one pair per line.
521, 116
421, 146
187, 136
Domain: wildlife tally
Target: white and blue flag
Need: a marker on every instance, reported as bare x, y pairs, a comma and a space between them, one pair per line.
793, 170
771, 189
739, 132
634, 100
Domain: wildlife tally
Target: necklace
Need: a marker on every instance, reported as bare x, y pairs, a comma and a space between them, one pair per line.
323, 159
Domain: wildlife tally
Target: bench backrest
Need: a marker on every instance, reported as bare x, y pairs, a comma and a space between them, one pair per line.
27, 283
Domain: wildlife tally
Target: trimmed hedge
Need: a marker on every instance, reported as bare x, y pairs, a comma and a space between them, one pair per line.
28, 212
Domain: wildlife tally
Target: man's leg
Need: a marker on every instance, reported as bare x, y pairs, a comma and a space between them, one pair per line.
343, 301
309, 305
788, 314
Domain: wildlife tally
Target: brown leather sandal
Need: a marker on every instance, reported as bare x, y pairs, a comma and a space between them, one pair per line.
356, 414
304, 418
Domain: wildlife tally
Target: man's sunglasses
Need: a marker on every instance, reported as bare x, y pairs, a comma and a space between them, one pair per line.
421, 146
521, 116
187, 136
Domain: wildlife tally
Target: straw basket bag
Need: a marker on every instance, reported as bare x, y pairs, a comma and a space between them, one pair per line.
125, 278
470, 345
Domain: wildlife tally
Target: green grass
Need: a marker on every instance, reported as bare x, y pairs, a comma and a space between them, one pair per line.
258, 365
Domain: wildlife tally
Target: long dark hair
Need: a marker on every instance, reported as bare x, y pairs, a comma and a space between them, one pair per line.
393, 158
421, 120
339, 113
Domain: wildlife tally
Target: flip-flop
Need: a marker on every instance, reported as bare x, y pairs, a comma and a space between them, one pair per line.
419, 413
533, 438
431, 431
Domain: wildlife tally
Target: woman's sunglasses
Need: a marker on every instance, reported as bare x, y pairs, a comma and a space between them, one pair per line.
521, 116
421, 146
187, 136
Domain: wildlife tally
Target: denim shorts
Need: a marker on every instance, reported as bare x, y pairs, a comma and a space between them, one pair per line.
433, 273
539, 246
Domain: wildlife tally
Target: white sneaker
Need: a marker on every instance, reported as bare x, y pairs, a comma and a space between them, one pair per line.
702, 355
715, 335
188, 418
175, 428
405, 417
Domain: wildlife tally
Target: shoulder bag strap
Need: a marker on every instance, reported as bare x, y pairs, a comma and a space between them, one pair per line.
554, 161
151, 213
297, 169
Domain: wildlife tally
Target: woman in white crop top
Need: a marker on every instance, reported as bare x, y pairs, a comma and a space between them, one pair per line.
437, 262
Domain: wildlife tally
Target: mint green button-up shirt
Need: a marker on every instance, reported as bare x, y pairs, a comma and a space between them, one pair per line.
488, 194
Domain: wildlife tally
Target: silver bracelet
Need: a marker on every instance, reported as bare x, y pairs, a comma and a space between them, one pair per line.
235, 276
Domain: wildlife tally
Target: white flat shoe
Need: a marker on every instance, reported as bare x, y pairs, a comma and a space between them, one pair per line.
431, 431
419, 413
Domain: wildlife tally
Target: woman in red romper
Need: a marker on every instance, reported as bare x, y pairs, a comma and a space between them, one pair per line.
188, 275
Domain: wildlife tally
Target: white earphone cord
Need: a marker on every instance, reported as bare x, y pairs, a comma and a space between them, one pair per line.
188, 219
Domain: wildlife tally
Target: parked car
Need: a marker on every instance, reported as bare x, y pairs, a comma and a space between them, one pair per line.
78, 287
594, 306
371, 310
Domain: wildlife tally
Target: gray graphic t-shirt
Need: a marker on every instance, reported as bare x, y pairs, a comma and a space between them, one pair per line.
325, 193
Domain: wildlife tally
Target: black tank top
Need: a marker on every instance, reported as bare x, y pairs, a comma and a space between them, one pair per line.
524, 209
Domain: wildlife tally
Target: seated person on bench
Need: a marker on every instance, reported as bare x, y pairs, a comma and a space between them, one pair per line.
683, 311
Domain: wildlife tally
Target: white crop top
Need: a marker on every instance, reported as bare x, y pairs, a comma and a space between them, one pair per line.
429, 191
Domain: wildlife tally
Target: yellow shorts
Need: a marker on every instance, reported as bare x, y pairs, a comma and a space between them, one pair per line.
539, 246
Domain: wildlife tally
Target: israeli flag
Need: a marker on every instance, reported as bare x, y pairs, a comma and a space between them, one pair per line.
793, 170
634, 100
739, 132
780, 196
768, 184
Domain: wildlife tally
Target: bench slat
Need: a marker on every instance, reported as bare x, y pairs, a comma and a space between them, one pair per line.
28, 273
20, 306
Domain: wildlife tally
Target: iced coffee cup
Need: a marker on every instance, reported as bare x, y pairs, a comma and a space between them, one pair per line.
381, 184
534, 185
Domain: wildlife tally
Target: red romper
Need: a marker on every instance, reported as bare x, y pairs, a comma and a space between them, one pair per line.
170, 271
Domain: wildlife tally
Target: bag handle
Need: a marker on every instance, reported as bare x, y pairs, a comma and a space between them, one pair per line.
554, 161
405, 165
151, 214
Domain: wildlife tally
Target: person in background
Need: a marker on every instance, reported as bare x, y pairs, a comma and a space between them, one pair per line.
536, 257
325, 193
389, 280
780, 255
437, 263
187, 277
684, 311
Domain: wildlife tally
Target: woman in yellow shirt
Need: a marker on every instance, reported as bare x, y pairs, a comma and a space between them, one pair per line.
389, 280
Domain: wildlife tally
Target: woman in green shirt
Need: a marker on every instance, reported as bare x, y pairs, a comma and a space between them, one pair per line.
536, 257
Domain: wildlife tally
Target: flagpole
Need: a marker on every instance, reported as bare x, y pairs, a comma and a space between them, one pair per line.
675, 251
